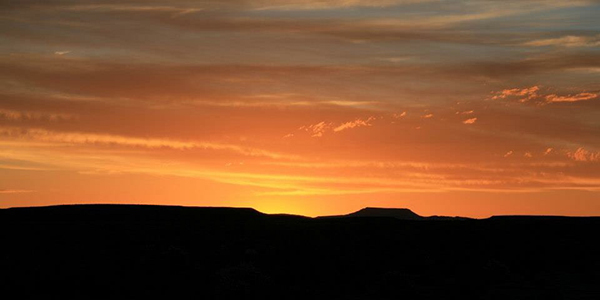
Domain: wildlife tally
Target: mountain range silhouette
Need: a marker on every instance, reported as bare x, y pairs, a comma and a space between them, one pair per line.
144, 251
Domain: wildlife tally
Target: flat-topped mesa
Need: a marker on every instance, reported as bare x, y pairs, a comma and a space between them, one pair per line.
398, 213
128, 213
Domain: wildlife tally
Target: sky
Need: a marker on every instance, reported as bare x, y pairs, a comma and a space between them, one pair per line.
471, 108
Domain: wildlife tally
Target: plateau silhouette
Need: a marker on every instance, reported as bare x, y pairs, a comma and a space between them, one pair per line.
142, 251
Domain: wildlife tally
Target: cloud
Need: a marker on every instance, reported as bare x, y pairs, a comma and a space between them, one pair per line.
80, 138
524, 94
199, 84
275, 102
548, 151
14, 191
16, 115
396, 116
324, 176
466, 112
480, 7
582, 154
183, 6
444, 23
289, 65
427, 116
348, 103
228, 84
354, 124
396, 59
533, 94
132, 8
549, 63
509, 153
400, 115
567, 41
330, 4
470, 121
570, 98
317, 130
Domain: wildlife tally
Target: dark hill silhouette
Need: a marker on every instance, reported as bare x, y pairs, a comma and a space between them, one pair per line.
396, 213
140, 251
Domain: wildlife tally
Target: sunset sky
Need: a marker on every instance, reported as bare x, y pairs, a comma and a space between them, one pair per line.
469, 108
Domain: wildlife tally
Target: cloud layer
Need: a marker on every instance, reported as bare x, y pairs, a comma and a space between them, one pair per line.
308, 106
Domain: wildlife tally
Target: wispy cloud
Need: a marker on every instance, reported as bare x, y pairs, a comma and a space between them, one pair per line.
534, 94
399, 115
33, 115
567, 41
174, 10
317, 130
354, 124
14, 191
470, 121
571, 98
466, 112
524, 94
316, 4
118, 140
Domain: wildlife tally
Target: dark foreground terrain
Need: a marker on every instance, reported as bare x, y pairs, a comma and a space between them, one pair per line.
108, 252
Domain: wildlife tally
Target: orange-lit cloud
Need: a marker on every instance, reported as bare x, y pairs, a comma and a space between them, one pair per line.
304, 106
400, 115
533, 93
470, 121
43, 135
354, 124
524, 94
317, 130
29, 115
13, 191
571, 98
582, 154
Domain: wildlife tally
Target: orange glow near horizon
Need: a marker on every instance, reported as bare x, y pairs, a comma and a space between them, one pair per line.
303, 107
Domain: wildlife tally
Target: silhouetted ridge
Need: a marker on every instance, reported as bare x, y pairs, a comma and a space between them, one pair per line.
398, 213
128, 213
171, 252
